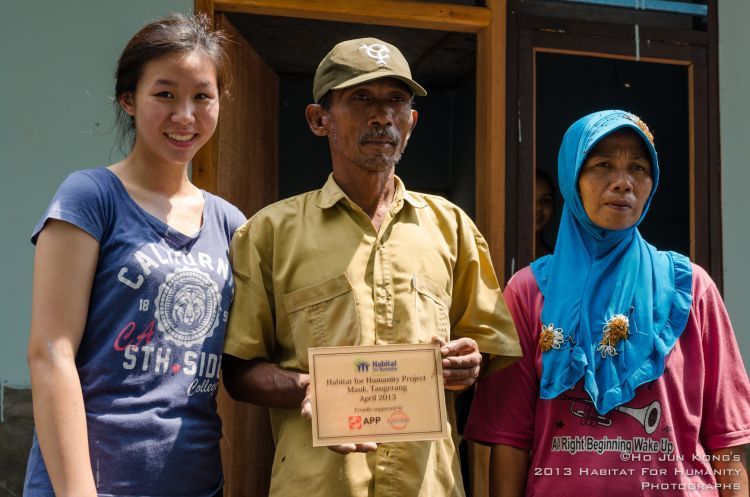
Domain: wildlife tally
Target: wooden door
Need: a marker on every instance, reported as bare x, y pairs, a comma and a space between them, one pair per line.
488, 22
538, 37
240, 164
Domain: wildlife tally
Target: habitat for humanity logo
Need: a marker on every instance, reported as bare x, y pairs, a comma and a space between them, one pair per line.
361, 365
384, 366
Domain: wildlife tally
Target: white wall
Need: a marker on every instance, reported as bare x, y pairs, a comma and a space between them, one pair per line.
57, 60
734, 88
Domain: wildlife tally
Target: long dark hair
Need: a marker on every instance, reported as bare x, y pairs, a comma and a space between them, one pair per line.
174, 34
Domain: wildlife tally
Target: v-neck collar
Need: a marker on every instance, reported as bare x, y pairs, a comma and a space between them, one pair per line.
175, 238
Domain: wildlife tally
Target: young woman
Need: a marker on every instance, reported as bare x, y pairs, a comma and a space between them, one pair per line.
631, 381
132, 288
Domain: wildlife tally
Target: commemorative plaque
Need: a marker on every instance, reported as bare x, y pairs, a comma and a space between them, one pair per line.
377, 393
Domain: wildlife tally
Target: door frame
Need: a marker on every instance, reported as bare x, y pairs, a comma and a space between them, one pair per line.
488, 23
530, 35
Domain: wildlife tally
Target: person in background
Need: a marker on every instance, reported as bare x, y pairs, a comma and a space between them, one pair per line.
544, 211
132, 288
361, 261
631, 381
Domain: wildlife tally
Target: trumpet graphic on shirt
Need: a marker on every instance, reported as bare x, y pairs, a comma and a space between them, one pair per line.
647, 416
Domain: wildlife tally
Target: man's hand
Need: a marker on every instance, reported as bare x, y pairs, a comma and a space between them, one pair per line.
462, 362
306, 411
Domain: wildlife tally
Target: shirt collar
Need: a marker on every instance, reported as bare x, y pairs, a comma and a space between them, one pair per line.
331, 193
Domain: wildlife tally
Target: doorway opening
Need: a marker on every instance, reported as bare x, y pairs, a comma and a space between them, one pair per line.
440, 157
263, 149
569, 86
662, 67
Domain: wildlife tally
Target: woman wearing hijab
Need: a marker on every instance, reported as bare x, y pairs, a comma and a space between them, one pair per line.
631, 381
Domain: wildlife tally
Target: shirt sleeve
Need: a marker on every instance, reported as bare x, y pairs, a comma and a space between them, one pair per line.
250, 330
726, 401
79, 201
235, 218
478, 310
504, 405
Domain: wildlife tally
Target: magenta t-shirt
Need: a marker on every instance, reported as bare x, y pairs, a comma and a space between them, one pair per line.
657, 444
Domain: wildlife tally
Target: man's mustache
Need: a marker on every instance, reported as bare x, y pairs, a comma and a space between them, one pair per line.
380, 132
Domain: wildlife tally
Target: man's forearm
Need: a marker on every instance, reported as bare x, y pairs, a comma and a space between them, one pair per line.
263, 383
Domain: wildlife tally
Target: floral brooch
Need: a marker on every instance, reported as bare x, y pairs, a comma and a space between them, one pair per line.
615, 329
551, 338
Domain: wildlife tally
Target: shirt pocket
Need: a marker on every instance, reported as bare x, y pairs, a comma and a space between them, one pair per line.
322, 315
432, 303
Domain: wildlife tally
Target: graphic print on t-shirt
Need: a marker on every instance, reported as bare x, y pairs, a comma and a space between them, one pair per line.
647, 416
624, 420
179, 308
187, 307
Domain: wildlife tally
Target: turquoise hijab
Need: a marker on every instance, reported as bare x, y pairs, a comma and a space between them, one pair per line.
597, 274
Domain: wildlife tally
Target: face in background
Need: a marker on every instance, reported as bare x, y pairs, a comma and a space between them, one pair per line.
615, 180
367, 125
545, 203
175, 107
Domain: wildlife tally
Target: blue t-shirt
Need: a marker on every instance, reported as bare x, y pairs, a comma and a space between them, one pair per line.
150, 355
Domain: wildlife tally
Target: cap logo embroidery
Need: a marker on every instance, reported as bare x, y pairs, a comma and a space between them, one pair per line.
377, 52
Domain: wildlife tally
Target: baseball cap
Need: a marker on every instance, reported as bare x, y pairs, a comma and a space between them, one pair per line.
353, 62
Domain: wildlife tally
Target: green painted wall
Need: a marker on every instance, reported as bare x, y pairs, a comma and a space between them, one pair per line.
56, 116
58, 60
734, 87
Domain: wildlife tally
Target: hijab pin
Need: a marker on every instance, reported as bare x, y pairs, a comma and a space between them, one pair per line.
639, 122
615, 329
551, 338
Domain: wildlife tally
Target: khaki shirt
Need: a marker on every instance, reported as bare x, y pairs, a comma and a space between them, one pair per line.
311, 271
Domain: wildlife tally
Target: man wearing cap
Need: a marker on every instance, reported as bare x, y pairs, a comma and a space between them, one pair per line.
361, 261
